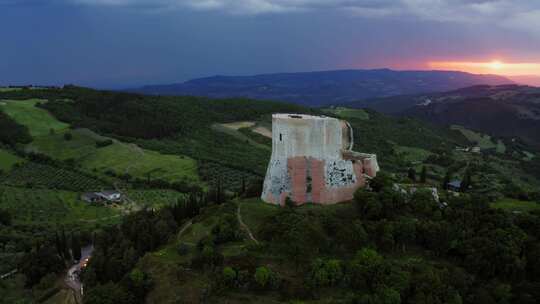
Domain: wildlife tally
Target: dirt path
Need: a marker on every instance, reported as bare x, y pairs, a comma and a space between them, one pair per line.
186, 226
137, 150
101, 219
244, 226
7, 275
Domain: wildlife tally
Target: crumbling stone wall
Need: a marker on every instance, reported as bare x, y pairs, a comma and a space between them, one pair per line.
312, 161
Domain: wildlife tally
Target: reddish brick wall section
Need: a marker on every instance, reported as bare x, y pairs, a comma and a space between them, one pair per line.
317, 180
298, 168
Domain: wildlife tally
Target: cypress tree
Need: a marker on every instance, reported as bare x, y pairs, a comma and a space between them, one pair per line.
75, 247
466, 182
412, 174
65, 247
243, 185
446, 180
59, 247
423, 176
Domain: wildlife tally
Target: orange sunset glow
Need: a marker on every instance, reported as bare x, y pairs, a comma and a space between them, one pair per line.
489, 67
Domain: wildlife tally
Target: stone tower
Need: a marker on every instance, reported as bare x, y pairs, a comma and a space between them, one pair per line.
312, 161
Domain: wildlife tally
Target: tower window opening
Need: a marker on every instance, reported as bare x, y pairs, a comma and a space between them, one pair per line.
280, 137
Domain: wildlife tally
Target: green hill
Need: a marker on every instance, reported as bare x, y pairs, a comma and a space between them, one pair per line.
8, 160
182, 234
118, 157
37, 120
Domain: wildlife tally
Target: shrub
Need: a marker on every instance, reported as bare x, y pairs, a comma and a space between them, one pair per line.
5, 217
265, 278
68, 136
262, 276
325, 273
103, 143
229, 276
183, 249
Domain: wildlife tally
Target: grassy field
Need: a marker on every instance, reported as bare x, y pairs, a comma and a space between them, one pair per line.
81, 146
199, 230
38, 121
482, 140
154, 198
516, 205
119, 157
255, 212
123, 158
349, 113
8, 160
411, 154
233, 130
34, 206
6, 89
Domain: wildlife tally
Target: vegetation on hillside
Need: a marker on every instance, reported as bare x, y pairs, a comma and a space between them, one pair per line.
38, 121
382, 248
11, 132
186, 240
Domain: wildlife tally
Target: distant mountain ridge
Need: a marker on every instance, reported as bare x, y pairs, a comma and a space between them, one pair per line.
325, 87
505, 110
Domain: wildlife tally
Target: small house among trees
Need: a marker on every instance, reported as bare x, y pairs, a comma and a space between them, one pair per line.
454, 185
107, 196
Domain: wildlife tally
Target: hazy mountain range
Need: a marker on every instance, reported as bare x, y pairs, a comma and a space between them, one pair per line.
505, 110
324, 88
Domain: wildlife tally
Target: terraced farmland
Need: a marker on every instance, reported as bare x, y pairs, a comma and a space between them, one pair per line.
52, 206
230, 178
44, 176
154, 198
118, 157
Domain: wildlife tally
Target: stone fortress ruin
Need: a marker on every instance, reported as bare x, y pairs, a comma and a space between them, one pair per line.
312, 161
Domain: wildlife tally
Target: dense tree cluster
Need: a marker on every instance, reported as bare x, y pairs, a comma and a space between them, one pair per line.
111, 274
11, 132
470, 253
150, 117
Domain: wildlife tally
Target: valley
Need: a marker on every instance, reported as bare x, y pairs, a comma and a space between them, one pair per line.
481, 108
191, 226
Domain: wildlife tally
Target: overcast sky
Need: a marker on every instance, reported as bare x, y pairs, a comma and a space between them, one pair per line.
123, 43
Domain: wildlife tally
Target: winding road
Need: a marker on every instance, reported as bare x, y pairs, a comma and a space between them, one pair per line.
72, 278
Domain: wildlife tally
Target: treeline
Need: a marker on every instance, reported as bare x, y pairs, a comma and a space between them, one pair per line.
44, 171
397, 250
150, 117
381, 133
50, 256
12, 133
111, 273
170, 125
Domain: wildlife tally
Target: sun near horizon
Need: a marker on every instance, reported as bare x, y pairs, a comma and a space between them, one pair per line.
494, 66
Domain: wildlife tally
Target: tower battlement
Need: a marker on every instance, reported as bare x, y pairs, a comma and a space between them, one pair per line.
312, 161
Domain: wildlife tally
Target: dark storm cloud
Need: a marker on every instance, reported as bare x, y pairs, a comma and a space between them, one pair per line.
132, 42
517, 14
